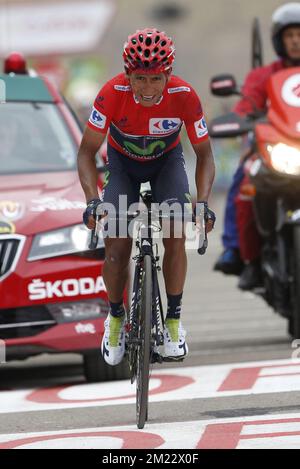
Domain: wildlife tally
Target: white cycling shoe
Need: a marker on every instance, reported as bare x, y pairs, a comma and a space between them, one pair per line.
113, 342
175, 345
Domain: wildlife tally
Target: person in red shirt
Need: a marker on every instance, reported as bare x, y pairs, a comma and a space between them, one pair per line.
240, 235
143, 111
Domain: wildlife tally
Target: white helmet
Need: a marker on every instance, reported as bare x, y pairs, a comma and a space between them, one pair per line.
285, 16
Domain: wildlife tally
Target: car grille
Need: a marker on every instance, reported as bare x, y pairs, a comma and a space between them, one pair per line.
10, 249
24, 322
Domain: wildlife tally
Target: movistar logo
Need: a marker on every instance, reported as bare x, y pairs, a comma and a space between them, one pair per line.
106, 178
131, 147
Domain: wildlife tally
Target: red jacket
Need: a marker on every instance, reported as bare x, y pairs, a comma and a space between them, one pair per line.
255, 87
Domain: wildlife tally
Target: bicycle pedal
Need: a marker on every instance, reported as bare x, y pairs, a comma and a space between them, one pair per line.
156, 358
173, 359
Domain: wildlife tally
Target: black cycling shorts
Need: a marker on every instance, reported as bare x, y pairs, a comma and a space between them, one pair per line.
167, 177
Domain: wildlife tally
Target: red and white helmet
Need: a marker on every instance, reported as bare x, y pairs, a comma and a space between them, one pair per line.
148, 51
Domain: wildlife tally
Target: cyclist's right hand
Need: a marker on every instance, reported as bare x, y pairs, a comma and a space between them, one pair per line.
89, 214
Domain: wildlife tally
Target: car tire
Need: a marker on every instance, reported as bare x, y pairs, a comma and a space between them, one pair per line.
96, 370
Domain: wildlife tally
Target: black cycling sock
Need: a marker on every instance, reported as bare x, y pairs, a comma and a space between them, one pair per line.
117, 309
174, 306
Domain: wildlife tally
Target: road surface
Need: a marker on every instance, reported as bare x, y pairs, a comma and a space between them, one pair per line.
238, 388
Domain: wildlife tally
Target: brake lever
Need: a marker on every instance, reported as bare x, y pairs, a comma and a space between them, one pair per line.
94, 235
203, 241
202, 247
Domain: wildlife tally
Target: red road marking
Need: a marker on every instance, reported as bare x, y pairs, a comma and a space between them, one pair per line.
216, 436
221, 436
228, 435
269, 435
280, 374
245, 378
51, 395
240, 378
131, 439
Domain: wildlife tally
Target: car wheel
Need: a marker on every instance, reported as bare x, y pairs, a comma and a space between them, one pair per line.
95, 369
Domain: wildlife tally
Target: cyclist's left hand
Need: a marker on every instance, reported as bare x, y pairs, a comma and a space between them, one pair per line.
209, 216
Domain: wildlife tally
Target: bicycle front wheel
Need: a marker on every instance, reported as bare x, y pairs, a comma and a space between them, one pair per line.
143, 353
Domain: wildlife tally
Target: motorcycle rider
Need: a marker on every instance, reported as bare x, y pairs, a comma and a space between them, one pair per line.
285, 33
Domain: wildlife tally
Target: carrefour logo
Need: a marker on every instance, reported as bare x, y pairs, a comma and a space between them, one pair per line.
97, 118
201, 128
160, 126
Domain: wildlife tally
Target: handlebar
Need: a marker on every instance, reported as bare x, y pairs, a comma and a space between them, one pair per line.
121, 216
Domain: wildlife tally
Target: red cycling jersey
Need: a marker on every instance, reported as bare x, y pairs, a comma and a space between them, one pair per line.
146, 133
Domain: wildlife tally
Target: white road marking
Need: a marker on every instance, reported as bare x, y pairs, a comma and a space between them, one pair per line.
165, 385
273, 431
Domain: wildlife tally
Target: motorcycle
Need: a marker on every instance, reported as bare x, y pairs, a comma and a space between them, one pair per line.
274, 176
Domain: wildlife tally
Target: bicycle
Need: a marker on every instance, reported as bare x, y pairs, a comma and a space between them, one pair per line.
145, 321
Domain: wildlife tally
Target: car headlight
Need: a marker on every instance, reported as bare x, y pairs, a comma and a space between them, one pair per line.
79, 310
285, 159
69, 240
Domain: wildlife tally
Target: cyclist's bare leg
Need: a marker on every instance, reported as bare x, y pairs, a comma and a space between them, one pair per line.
174, 265
116, 266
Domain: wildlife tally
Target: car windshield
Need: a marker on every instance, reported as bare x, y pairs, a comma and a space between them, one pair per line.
34, 138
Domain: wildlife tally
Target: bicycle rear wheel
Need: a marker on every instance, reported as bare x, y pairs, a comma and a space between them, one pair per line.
143, 352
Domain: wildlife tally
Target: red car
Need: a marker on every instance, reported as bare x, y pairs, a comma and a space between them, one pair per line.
53, 297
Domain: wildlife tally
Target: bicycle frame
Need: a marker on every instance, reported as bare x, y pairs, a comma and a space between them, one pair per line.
145, 245
145, 319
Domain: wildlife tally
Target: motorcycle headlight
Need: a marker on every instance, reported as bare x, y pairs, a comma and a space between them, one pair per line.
69, 240
285, 159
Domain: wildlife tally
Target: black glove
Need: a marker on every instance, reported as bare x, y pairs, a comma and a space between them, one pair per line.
91, 210
208, 213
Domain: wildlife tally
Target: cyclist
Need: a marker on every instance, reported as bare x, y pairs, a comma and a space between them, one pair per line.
144, 109
286, 41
